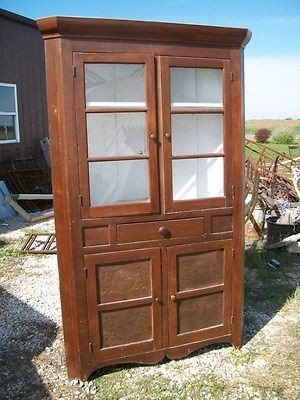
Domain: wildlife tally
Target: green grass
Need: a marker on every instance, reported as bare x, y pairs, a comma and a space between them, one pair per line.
290, 127
8, 249
10, 258
282, 148
276, 126
272, 291
149, 387
7, 252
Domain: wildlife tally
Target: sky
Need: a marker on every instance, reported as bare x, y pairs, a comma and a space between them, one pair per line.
272, 58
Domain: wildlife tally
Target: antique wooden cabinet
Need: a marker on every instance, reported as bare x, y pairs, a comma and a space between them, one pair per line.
146, 125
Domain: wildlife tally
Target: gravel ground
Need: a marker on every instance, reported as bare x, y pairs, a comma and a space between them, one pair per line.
30, 321
32, 353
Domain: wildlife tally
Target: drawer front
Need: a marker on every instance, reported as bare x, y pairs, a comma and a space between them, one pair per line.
96, 236
160, 230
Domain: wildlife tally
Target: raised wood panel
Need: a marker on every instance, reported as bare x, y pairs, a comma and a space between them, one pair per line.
96, 236
221, 223
199, 309
199, 270
160, 230
124, 292
123, 281
199, 313
120, 327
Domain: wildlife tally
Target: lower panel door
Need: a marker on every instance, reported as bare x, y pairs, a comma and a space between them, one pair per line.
124, 307
199, 291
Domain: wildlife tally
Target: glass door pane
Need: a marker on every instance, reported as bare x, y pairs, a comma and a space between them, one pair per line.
198, 178
196, 87
113, 85
194, 123
118, 182
116, 134
117, 144
197, 133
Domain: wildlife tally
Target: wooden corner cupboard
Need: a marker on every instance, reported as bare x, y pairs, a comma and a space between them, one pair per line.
146, 126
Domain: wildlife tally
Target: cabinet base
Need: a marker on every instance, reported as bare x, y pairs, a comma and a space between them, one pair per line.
172, 353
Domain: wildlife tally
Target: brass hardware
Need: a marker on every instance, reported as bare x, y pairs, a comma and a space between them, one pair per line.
173, 297
157, 300
152, 136
168, 135
233, 191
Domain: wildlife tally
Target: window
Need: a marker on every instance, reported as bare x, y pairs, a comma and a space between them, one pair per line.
9, 122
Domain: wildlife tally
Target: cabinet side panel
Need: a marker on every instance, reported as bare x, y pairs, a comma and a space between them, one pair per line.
67, 211
238, 123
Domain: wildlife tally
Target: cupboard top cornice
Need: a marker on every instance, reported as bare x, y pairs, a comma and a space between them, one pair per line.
158, 32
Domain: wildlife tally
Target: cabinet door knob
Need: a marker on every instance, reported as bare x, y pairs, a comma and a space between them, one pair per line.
152, 136
173, 297
157, 300
168, 135
164, 232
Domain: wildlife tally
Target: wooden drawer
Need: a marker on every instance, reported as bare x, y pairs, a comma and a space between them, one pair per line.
160, 230
96, 236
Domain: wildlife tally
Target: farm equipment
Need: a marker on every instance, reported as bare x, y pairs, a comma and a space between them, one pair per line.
273, 180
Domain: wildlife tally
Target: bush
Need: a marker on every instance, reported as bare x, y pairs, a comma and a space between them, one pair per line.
262, 135
284, 138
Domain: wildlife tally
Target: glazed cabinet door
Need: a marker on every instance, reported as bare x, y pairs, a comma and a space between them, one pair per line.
199, 291
196, 133
116, 134
124, 306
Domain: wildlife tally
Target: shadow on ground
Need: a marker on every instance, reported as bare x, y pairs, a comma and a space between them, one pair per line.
24, 333
9, 225
266, 288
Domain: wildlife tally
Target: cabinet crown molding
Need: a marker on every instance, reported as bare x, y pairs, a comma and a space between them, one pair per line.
162, 32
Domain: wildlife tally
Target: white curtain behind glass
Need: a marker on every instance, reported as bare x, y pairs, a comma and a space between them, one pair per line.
198, 178
197, 133
118, 181
111, 85
116, 134
196, 87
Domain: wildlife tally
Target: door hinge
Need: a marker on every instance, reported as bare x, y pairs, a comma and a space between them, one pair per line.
233, 253
80, 200
86, 271
231, 320
74, 71
232, 76
90, 347
233, 191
